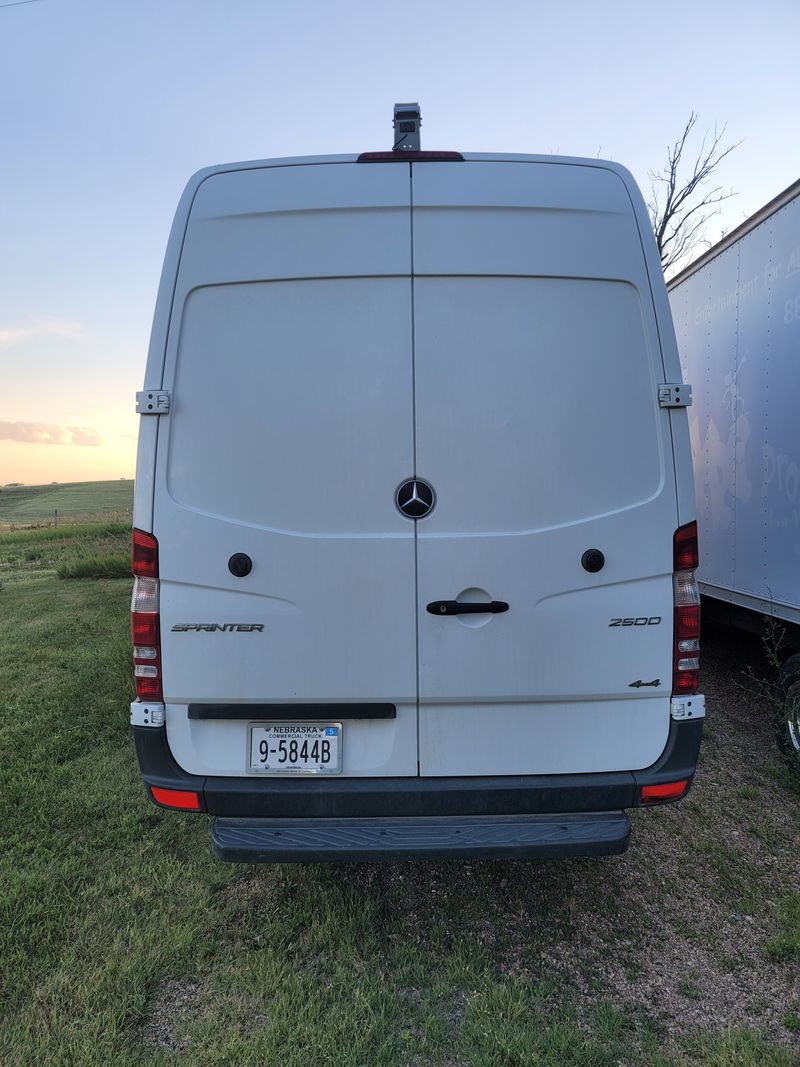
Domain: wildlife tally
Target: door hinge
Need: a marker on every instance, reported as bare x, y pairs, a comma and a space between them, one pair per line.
675, 395
693, 707
144, 714
153, 402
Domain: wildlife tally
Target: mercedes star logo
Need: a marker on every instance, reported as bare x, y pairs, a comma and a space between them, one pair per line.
415, 498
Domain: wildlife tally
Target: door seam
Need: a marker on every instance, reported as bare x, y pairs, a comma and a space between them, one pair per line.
414, 441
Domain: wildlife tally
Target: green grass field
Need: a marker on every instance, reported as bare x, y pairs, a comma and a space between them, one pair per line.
122, 941
38, 505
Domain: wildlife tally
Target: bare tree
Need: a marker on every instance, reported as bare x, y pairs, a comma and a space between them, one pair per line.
681, 203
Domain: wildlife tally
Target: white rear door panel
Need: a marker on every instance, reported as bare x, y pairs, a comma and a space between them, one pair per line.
291, 426
539, 428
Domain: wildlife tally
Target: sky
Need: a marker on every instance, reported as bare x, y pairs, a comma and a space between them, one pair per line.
108, 106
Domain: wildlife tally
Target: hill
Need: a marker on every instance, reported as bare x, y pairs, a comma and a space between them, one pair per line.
39, 505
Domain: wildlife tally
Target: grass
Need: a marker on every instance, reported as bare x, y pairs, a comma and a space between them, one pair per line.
28, 557
123, 941
736, 1048
97, 565
35, 505
786, 943
74, 532
687, 988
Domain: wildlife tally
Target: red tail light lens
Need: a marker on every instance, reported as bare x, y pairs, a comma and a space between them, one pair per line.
145, 630
660, 794
144, 555
685, 549
686, 633
181, 799
410, 156
687, 624
145, 627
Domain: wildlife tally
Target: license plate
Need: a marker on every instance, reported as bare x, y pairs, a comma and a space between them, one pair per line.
296, 748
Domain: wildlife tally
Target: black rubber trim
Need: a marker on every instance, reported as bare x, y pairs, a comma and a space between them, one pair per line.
679, 758
352, 798
484, 837
158, 765
276, 712
342, 798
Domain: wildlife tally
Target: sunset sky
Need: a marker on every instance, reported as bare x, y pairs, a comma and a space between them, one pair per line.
109, 105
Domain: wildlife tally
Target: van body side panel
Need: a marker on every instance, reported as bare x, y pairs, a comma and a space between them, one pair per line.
761, 399
670, 359
737, 313
144, 486
712, 414
537, 361
291, 426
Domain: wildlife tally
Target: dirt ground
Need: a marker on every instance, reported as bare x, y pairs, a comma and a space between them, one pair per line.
681, 928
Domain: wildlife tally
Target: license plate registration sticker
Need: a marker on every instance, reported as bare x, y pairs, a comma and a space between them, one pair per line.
295, 748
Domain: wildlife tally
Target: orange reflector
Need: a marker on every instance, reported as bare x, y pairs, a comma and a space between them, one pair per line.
182, 799
659, 794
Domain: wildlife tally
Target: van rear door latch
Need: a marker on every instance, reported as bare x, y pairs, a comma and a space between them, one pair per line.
458, 607
675, 395
153, 402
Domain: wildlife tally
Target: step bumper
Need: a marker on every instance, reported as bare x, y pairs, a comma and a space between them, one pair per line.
477, 837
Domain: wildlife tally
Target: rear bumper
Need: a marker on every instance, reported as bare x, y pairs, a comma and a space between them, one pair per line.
380, 802
451, 837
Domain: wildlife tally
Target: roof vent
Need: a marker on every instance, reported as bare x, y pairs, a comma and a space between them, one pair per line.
407, 121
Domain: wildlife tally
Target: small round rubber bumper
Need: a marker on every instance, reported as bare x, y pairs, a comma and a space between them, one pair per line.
240, 564
593, 560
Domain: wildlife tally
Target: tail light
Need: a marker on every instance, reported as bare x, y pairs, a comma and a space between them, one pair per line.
663, 793
145, 627
412, 156
686, 640
179, 799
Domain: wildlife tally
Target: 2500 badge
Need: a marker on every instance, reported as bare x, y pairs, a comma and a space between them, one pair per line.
653, 620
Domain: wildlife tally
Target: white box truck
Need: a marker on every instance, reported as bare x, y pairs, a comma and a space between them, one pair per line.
737, 318
415, 538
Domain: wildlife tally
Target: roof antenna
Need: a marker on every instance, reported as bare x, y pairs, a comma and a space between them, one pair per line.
407, 121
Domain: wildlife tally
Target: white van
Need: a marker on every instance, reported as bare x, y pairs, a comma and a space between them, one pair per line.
415, 536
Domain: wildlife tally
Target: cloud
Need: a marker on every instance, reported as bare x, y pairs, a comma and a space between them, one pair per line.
40, 433
82, 435
40, 326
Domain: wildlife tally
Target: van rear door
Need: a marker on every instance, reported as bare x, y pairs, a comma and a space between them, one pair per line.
289, 361
537, 423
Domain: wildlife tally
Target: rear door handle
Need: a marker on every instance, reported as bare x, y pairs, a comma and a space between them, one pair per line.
454, 607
